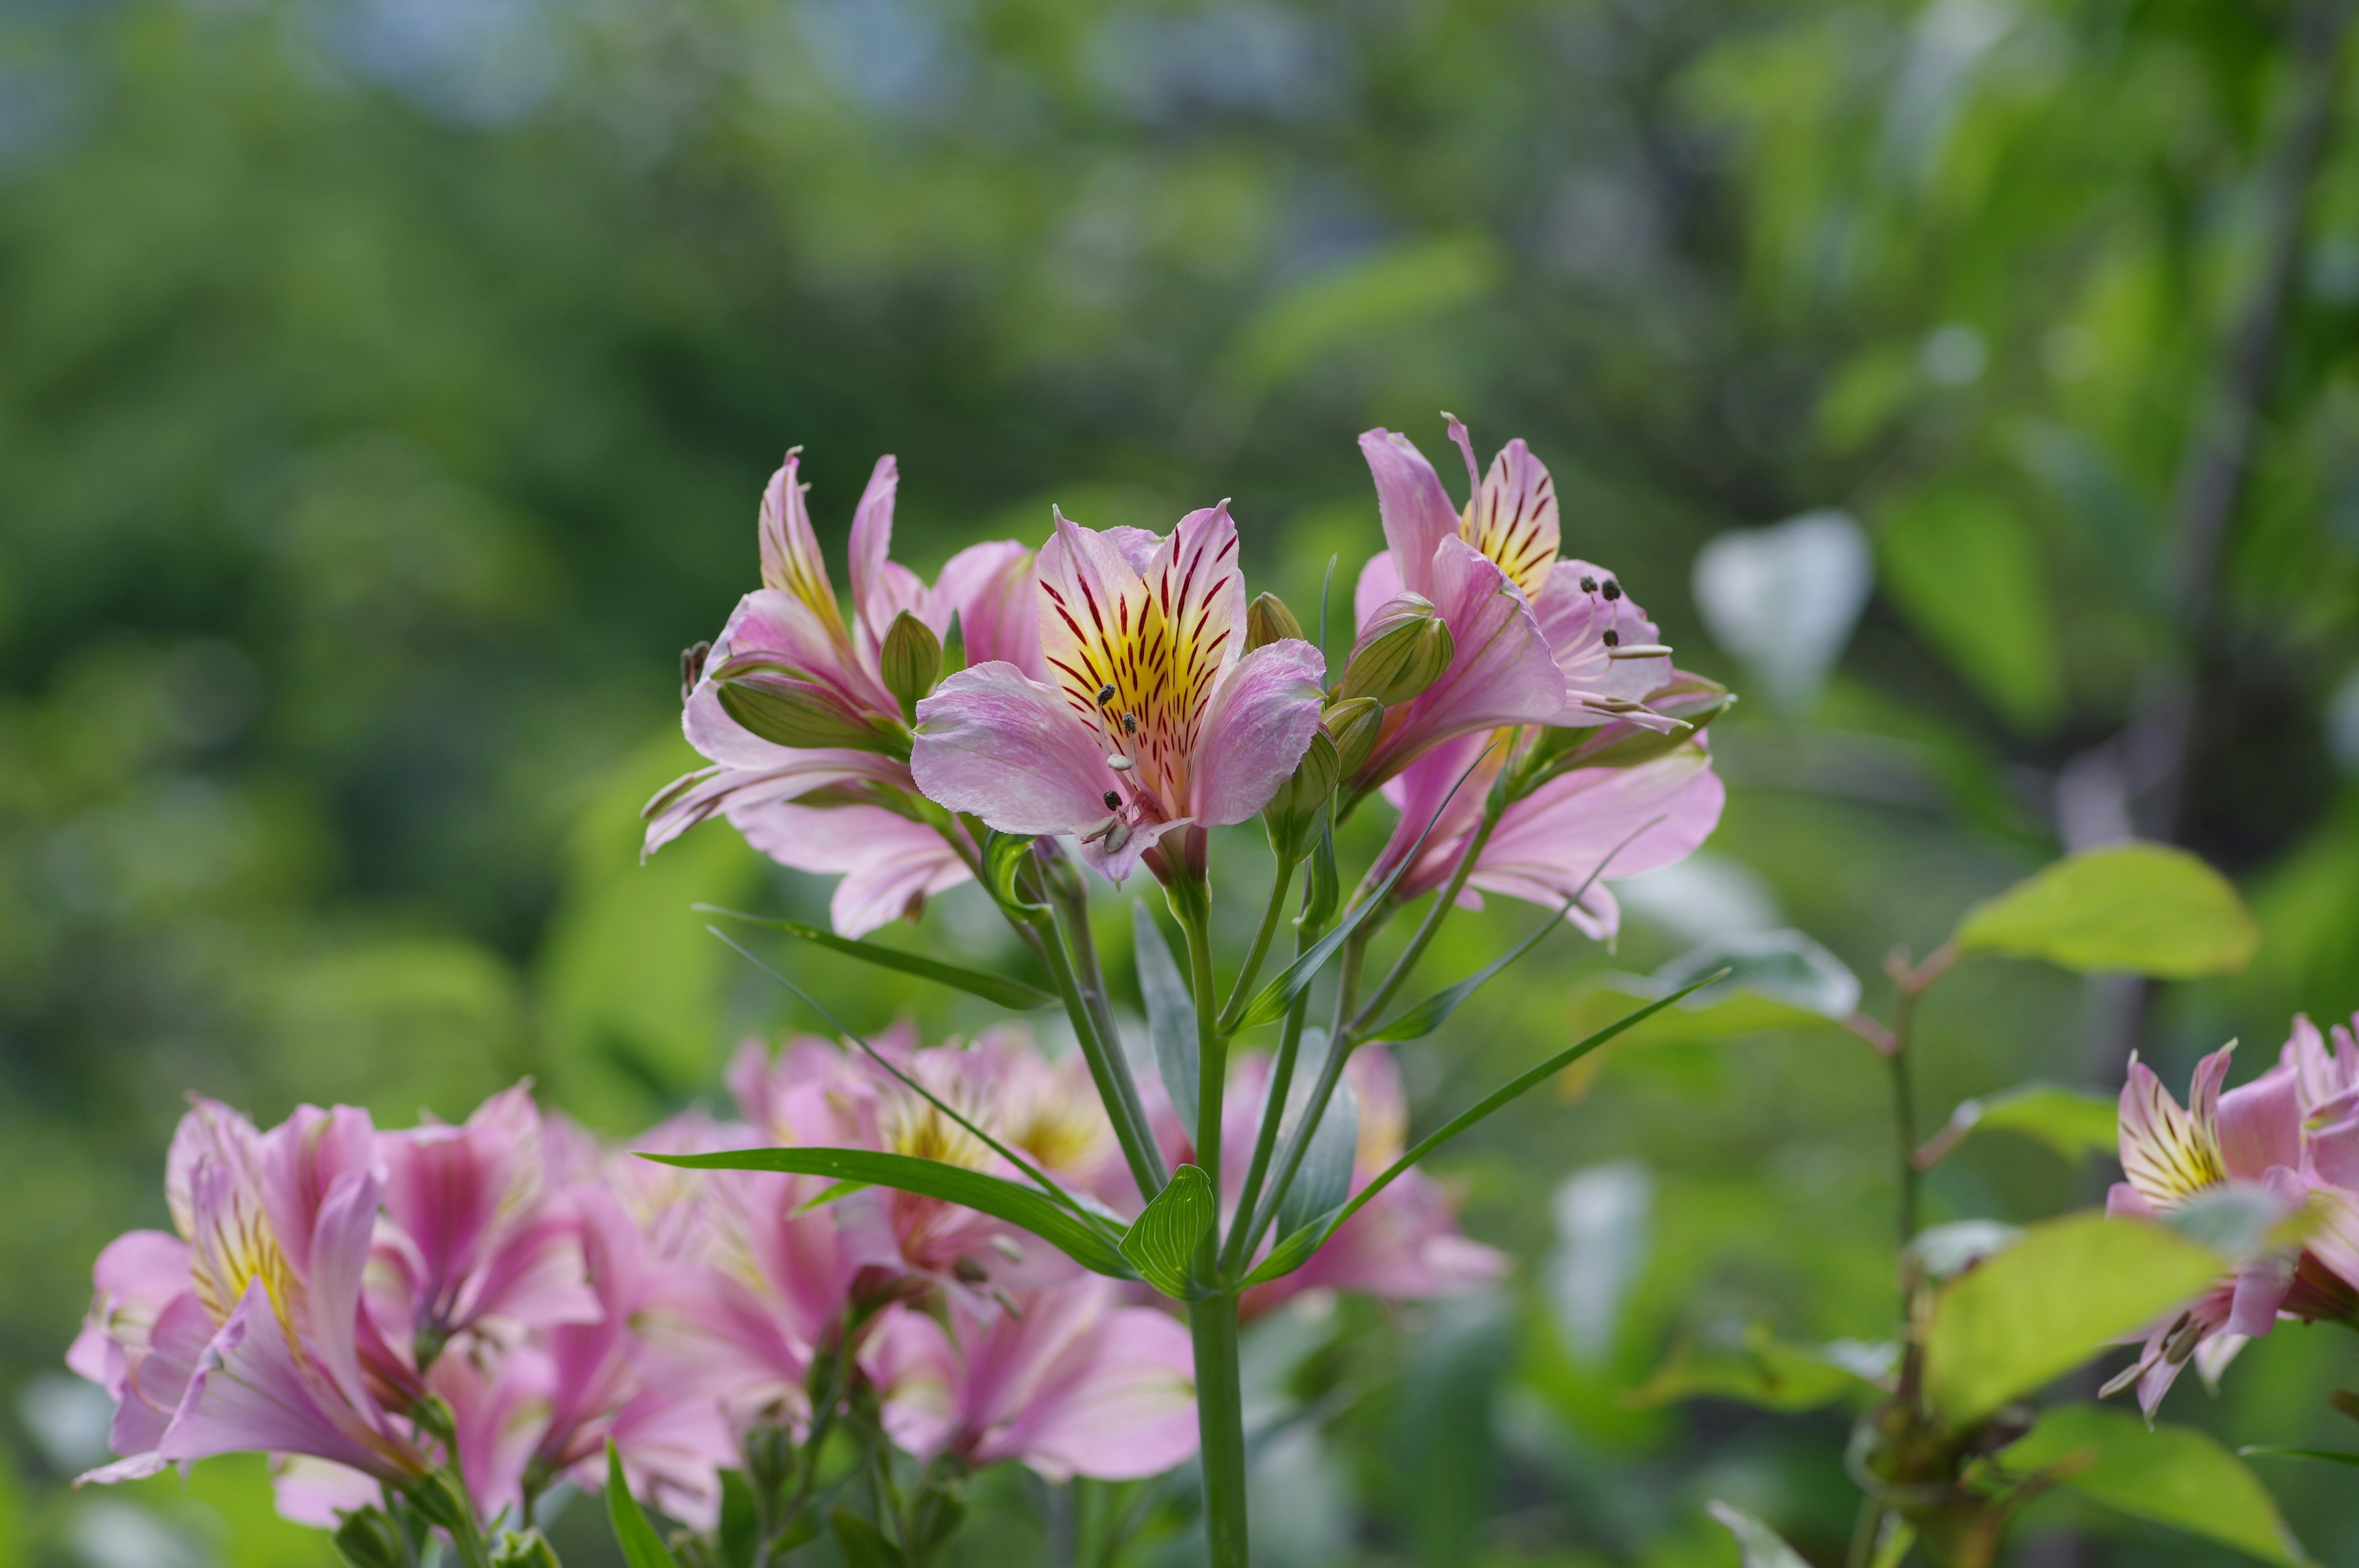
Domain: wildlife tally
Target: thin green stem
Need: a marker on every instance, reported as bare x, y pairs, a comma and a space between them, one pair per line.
1282, 1082
1242, 991
1220, 1425
1188, 902
1904, 1114
1108, 1070
1443, 902
1330, 1073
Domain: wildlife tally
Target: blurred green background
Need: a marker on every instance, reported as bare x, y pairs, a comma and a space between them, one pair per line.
386, 388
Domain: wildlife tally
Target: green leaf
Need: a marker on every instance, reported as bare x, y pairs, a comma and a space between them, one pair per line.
1965, 566
1324, 1179
741, 1525
1004, 856
1326, 886
1374, 294
1760, 1546
642, 1547
1289, 1254
2324, 1455
864, 1544
1163, 1242
2063, 1293
1171, 1014
2147, 909
1785, 967
1427, 1016
2072, 1121
1088, 1244
1752, 1366
2172, 1476
1014, 995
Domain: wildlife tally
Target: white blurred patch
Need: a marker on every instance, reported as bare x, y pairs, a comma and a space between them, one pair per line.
1785, 598
2342, 724
1702, 898
67, 1418
1954, 355
1601, 1227
110, 1533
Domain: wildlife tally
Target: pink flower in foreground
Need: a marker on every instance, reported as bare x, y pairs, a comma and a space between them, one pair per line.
790, 639
1152, 717
1558, 837
246, 1333
2255, 1137
1071, 1382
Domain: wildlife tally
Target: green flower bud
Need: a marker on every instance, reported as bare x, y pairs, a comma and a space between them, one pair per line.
370, 1538
527, 1548
912, 659
1294, 809
775, 702
1354, 725
1268, 619
1401, 652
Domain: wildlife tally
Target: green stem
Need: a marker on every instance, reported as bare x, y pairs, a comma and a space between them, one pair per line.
1189, 903
1108, 1070
1241, 993
1220, 1425
1443, 902
1904, 1113
1330, 1073
1282, 1082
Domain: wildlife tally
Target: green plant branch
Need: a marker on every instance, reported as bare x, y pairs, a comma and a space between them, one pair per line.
1330, 1073
1242, 990
1282, 1082
1108, 1070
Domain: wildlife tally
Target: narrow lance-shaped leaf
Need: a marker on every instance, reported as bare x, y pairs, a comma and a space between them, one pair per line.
998, 989
1323, 1181
2072, 1121
2171, 1475
1171, 1014
2147, 909
642, 1547
1163, 1241
1293, 1252
1757, 1544
1269, 1003
1090, 1245
1039, 1177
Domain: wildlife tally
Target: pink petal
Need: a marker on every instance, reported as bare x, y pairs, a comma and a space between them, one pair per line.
157, 1378
1261, 720
134, 1278
2335, 1152
1415, 509
791, 563
1379, 584
250, 1395
790, 776
890, 865
779, 626
1606, 822
2166, 1153
990, 588
1513, 518
870, 548
1129, 1412
2260, 1125
313, 1492
1575, 623
1008, 751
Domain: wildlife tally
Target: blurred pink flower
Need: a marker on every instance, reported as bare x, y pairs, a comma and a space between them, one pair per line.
247, 1333
1071, 1382
1152, 719
792, 630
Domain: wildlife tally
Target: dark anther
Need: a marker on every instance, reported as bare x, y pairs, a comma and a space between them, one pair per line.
1105, 694
1114, 801
1613, 588
1612, 638
691, 668
1588, 583
1130, 723
973, 1272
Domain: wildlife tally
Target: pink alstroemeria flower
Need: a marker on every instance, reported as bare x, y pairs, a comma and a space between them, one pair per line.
1071, 1382
246, 1333
890, 863
472, 1232
1584, 827
1153, 718
2254, 1136
814, 1093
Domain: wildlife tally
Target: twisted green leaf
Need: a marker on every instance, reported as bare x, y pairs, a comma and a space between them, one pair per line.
1162, 1244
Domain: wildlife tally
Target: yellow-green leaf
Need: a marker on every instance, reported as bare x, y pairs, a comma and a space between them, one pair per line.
2147, 909
2173, 1476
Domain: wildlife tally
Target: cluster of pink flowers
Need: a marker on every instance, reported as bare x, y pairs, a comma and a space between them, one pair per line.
506, 1296
1109, 697
2290, 1139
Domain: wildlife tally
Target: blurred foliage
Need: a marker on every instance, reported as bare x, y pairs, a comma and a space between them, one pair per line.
384, 389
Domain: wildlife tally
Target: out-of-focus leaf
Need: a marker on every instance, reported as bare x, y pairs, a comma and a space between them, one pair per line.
1090, 1245
2172, 1476
1171, 1014
2241, 1222
864, 1546
642, 1547
1892, 1546
1163, 1242
1424, 1017
1760, 1546
1754, 1366
1965, 567
1942, 1250
2072, 1121
1324, 1179
2064, 1291
2147, 909
1412, 281
1293, 1250
1776, 979
2324, 1455
998, 989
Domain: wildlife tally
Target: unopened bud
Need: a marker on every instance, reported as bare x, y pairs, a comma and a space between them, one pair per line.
1295, 807
775, 702
369, 1539
526, 1549
912, 660
1353, 725
1403, 650
1268, 619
